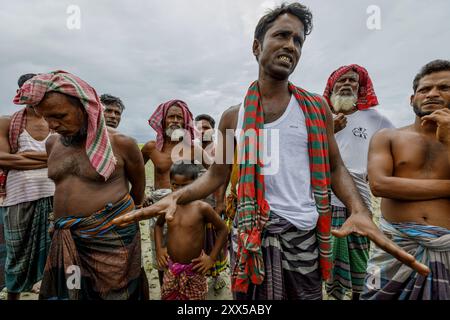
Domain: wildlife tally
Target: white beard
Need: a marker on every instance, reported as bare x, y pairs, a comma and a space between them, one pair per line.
343, 103
175, 134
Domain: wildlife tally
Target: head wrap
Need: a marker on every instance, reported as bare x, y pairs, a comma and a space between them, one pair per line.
158, 117
366, 94
98, 146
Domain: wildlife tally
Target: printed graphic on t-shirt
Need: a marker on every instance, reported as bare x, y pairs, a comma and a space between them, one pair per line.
360, 132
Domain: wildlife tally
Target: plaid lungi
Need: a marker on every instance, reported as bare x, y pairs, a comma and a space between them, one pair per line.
92, 259
182, 283
291, 264
389, 279
27, 243
350, 255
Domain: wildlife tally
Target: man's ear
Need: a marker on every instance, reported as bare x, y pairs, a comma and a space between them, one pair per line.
411, 100
256, 48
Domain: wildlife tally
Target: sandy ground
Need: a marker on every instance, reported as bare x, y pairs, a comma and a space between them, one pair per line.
152, 275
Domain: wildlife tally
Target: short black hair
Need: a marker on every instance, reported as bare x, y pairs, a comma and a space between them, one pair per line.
108, 100
24, 78
431, 67
296, 9
206, 117
188, 170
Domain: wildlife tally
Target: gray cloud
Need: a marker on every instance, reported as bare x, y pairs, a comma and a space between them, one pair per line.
199, 51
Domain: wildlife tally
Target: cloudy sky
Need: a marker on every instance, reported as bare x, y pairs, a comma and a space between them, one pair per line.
150, 51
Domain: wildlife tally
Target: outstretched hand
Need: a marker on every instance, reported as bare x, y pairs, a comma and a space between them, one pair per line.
166, 206
363, 225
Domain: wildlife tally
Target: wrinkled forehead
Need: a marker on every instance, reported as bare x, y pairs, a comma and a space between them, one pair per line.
349, 75
288, 23
435, 78
174, 110
112, 107
55, 103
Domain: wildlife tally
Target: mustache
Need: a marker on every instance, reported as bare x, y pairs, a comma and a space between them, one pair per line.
433, 102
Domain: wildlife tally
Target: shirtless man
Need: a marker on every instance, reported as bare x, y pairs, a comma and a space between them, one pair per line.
113, 110
409, 168
92, 168
172, 122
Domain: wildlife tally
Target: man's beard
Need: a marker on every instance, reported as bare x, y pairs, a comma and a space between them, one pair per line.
175, 133
75, 140
343, 103
421, 113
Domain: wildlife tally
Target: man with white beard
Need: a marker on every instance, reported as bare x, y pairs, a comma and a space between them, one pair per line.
351, 97
174, 126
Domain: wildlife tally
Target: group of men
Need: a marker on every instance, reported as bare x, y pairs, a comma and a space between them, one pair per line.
306, 224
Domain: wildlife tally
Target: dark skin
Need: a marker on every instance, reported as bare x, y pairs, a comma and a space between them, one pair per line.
186, 233
409, 167
284, 38
69, 167
38, 128
162, 160
204, 126
28, 160
346, 85
113, 115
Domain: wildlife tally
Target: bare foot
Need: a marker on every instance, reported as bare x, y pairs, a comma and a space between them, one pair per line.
36, 288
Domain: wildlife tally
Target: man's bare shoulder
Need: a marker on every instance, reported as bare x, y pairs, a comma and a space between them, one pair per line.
120, 138
149, 147
229, 117
392, 134
51, 142
4, 123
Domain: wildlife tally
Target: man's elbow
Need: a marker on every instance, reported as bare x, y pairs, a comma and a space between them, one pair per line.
378, 187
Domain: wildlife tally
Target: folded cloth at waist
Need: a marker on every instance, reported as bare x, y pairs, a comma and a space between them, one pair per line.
91, 258
389, 279
182, 283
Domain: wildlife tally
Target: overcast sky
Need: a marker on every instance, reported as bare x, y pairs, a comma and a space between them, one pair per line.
199, 51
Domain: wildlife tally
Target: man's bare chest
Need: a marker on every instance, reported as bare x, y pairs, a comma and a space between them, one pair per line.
67, 161
421, 158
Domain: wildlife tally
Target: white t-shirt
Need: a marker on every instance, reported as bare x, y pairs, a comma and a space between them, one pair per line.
287, 175
353, 142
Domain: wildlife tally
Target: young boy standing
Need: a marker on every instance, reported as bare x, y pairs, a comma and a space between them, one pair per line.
184, 256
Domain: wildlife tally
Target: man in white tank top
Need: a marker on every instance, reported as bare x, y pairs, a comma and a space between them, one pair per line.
351, 98
29, 197
287, 247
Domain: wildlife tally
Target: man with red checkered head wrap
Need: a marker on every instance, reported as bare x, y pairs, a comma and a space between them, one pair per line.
174, 126
351, 97
93, 168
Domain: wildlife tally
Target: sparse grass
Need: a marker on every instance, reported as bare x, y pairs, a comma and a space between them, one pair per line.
148, 171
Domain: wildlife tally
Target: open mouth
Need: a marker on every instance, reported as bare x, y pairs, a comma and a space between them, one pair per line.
285, 59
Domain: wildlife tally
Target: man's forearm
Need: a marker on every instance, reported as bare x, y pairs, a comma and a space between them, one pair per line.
138, 195
345, 189
410, 189
202, 187
221, 239
18, 162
